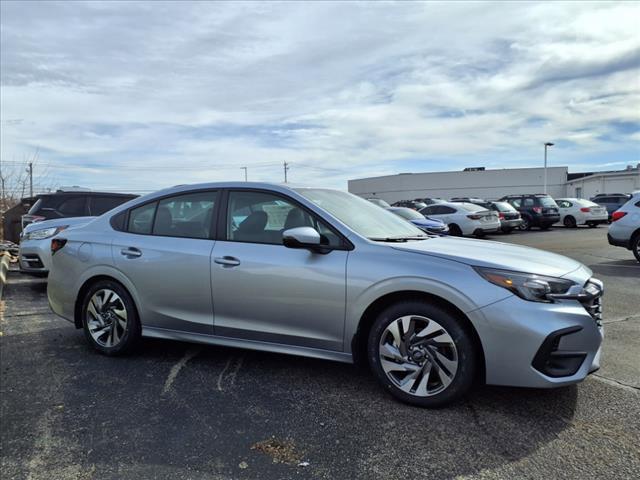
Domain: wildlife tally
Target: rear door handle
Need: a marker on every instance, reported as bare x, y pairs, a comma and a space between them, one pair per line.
131, 252
227, 261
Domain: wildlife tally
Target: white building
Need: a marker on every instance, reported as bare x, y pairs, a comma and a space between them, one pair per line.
624, 181
487, 184
493, 184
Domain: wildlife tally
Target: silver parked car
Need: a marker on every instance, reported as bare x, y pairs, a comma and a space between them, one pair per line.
323, 273
35, 243
624, 230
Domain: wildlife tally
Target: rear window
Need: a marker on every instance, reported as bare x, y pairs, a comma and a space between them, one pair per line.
100, 205
587, 203
547, 202
503, 207
470, 207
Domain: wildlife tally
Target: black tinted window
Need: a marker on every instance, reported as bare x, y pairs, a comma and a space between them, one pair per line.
443, 209
100, 205
72, 207
188, 215
141, 218
431, 210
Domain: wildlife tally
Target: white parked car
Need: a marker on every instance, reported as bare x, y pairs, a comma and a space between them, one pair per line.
576, 211
625, 227
464, 218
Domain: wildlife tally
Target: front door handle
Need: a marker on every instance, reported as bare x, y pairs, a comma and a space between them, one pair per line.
227, 261
131, 252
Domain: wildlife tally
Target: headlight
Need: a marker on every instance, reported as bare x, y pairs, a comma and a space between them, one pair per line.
44, 233
535, 288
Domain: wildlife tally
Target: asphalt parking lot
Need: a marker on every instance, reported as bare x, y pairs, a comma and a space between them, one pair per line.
175, 410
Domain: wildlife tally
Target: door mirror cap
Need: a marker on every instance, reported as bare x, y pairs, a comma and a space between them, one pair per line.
301, 237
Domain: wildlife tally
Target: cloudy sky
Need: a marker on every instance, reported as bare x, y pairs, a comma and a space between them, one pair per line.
142, 95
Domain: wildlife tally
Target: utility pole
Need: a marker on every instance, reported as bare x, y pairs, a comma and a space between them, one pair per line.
546, 145
30, 171
245, 172
286, 169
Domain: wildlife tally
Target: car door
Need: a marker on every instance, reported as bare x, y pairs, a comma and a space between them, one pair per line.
564, 207
164, 250
265, 291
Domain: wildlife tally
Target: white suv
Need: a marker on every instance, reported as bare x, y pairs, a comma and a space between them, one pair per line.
625, 229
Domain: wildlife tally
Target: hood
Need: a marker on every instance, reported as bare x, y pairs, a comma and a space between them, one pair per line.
428, 222
58, 222
505, 256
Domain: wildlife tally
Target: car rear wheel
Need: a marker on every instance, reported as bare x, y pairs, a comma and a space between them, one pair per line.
570, 222
109, 318
421, 354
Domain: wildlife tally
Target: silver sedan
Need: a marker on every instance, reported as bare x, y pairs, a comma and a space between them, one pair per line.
325, 274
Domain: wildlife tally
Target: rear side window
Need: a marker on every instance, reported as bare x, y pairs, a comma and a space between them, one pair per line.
73, 207
529, 202
516, 202
141, 218
100, 205
187, 215
444, 209
431, 210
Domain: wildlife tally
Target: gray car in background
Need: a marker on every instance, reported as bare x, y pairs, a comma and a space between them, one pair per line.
624, 230
34, 255
323, 273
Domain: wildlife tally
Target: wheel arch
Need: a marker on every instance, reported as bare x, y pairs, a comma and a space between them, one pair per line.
77, 308
360, 337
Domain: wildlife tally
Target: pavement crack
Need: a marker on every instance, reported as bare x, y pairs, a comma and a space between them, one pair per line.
623, 319
617, 383
175, 370
231, 378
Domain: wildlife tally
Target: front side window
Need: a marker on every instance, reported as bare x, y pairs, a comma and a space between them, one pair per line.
260, 217
189, 215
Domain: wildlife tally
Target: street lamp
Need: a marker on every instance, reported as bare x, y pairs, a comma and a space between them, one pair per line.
546, 145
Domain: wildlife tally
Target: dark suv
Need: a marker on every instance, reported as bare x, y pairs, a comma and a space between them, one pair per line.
73, 204
536, 210
611, 201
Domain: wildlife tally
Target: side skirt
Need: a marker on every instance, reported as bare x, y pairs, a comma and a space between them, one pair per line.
166, 334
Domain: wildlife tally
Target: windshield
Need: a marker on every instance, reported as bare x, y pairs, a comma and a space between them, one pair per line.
407, 213
360, 215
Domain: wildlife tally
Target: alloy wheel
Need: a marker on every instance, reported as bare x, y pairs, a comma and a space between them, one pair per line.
106, 318
418, 355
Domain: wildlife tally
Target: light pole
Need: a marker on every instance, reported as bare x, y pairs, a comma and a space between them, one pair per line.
546, 145
246, 175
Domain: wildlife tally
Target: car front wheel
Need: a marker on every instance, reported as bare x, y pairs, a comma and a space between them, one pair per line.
421, 354
109, 318
635, 246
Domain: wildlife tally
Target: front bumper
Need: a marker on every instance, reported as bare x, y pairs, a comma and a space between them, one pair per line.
35, 256
513, 337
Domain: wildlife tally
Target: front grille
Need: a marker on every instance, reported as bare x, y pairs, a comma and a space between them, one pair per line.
594, 304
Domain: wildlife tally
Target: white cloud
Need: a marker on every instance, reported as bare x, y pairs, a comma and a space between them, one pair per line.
340, 90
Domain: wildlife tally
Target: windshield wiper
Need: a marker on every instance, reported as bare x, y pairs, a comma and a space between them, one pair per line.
398, 239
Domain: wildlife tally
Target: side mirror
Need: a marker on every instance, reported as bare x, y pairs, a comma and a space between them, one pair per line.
302, 237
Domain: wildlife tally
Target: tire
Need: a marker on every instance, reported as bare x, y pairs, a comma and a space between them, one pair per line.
438, 375
112, 329
569, 222
454, 230
526, 224
635, 246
